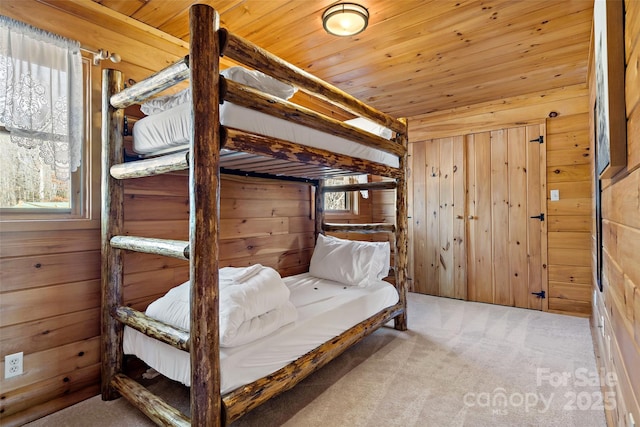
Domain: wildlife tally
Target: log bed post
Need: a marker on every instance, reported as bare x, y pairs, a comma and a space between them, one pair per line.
319, 206
112, 224
401, 259
204, 196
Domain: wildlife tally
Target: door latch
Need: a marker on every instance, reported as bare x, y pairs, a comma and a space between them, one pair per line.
539, 139
540, 217
540, 294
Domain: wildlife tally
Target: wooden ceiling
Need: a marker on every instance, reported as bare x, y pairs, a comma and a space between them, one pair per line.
416, 56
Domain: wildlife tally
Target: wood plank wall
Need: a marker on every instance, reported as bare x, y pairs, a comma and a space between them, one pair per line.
50, 280
567, 119
616, 316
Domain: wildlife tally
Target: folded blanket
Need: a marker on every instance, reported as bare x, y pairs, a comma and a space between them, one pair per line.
258, 326
254, 302
237, 275
260, 293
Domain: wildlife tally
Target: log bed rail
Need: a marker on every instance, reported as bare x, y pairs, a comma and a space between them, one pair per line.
207, 43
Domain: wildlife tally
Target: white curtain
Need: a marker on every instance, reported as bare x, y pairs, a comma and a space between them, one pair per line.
41, 94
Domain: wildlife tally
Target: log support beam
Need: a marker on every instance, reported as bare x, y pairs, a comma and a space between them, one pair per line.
359, 228
112, 223
171, 248
153, 407
150, 167
175, 337
280, 149
204, 217
163, 79
383, 185
402, 227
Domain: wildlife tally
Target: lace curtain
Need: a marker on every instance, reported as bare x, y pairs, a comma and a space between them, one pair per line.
41, 94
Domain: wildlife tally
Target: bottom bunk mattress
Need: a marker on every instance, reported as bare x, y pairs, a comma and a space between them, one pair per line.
325, 309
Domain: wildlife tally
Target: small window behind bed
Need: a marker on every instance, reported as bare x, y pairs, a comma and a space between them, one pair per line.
343, 202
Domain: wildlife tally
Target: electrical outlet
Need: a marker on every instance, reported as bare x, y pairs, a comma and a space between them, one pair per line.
13, 365
555, 195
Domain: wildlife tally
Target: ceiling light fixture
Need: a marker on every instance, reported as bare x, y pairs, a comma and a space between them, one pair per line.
345, 19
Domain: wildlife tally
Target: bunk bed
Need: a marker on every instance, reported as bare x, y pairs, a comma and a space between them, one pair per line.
211, 147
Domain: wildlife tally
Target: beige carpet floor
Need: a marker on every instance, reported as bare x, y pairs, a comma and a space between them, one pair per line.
460, 364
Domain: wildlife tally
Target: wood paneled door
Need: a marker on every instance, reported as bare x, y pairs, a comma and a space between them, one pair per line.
479, 204
438, 238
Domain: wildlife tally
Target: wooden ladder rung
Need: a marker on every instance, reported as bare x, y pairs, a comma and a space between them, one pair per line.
171, 248
359, 228
158, 410
384, 185
175, 337
156, 83
150, 167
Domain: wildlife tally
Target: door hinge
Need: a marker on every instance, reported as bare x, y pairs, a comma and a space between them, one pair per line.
540, 217
540, 294
539, 139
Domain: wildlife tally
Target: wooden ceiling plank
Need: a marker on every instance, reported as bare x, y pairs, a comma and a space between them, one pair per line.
508, 85
514, 62
157, 12
125, 7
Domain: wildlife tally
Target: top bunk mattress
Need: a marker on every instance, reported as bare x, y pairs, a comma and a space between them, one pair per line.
325, 310
170, 131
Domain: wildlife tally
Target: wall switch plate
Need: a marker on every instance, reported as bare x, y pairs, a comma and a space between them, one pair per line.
555, 195
13, 365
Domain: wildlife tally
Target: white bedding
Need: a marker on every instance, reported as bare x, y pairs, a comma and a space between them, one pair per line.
171, 129
325, 309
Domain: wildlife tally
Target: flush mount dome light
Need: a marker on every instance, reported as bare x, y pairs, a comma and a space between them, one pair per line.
345, 19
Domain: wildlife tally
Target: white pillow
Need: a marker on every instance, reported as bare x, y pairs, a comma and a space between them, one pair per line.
260, 81
371, 127
349, 262
383, 258
253, 78
165, 102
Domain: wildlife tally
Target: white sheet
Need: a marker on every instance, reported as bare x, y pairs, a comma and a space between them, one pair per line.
325, 310
172, 128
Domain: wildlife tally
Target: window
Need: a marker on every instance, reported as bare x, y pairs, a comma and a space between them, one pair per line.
41, 121
338, 201
343, 202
